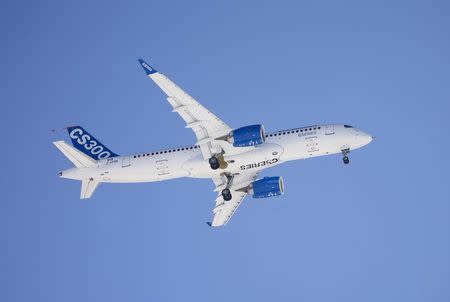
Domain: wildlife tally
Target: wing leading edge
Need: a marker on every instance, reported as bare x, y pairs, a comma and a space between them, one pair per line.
206, 126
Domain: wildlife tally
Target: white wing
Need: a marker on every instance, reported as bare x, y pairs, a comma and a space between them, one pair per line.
224, 210
205, 124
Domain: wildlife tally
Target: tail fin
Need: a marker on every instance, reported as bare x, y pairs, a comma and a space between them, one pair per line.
80, 160
88, 144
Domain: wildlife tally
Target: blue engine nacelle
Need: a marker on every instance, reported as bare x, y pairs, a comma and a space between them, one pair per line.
248, 136
268, 187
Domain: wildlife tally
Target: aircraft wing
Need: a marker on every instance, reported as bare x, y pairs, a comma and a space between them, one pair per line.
205, 124
224, 210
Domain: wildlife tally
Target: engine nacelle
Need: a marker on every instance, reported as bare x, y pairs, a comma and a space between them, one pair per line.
267, 187
248, 136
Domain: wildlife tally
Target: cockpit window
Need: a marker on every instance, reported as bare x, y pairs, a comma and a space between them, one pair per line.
348, 126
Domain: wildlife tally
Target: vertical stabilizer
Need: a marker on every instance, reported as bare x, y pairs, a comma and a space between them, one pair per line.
88, 144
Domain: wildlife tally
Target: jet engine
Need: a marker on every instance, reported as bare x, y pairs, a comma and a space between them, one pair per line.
267, 187
247, 136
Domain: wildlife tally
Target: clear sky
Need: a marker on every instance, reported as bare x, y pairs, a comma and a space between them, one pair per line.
376, 230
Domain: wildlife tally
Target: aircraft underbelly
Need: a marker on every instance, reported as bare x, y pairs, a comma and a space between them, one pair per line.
264, 156
144, 171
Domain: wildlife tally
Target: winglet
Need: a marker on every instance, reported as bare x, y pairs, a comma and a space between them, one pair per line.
208, 223
147, 68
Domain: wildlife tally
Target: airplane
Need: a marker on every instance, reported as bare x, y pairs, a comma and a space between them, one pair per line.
232, 157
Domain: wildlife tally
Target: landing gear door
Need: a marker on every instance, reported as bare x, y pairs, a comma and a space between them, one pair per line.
329, 129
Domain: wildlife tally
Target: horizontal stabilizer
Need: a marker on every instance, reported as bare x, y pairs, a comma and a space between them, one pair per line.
79, 159
88, 187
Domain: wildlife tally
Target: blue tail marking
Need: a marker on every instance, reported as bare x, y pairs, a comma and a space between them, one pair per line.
147, 68
88, 144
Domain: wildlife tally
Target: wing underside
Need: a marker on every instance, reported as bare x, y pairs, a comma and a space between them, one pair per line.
207, 128
206, 125
224, 210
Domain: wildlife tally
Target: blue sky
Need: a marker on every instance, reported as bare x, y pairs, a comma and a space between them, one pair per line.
376, 230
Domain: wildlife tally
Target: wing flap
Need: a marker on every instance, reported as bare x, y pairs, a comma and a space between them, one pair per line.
206, 126
224, 210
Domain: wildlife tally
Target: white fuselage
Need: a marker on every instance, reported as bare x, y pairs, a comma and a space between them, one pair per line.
279, 147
